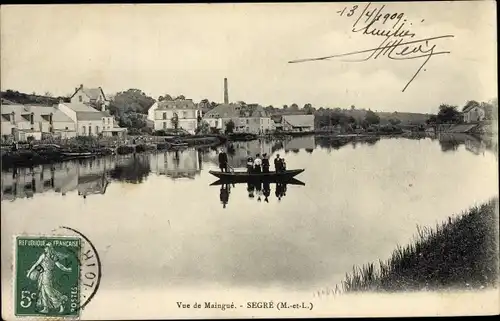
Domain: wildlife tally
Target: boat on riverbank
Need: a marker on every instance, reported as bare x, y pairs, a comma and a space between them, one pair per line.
264, 177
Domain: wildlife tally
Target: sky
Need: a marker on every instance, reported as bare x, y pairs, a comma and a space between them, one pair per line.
189, 49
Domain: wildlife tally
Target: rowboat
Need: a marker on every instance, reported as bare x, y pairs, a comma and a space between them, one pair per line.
268, 177
291, 181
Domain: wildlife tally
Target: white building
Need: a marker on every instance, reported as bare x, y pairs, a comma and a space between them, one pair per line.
23, 121
174, 114
473, 114
90, 121
90, 96
294, 123
247, 119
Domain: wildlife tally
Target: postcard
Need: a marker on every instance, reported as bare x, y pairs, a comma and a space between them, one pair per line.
249, 160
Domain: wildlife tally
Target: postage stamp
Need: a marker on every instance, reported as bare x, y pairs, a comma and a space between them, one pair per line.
47, 276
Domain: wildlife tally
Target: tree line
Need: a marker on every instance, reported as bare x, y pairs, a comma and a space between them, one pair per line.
451, 114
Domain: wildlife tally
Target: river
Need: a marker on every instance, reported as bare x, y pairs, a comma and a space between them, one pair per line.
159, 226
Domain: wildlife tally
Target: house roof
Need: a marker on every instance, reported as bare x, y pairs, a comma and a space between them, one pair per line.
41, 113
92, 93
468, 108
299, 120
236, 111
89, 115
85, 112
177, 104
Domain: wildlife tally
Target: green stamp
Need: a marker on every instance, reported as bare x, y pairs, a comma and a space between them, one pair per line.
47, 279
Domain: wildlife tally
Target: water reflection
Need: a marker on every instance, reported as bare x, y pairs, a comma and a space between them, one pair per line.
238, 152
134, 169
93, 176
259, 191
336, 143
451, 142
178, 164
84, 176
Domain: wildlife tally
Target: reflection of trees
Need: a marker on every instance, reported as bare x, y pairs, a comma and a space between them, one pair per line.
230, 150
309, 150
449, 145
450, 142
339, 142
277, 146
135, 170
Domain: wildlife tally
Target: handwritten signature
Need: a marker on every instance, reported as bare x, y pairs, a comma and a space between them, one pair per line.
394, 45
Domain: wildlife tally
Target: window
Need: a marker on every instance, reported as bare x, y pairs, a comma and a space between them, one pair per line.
80, 98
184, 114
104, 120
97, 129
66, 127
164, 125
164, 115
83, 130
90, 130
247, 121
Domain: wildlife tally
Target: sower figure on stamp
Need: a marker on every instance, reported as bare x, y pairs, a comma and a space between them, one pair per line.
43, 272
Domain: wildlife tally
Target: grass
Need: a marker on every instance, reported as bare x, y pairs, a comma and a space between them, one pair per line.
460, 253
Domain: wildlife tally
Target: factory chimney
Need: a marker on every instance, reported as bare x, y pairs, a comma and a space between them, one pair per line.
226, 95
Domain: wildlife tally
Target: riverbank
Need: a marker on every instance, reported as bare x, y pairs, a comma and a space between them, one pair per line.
46, 153
461, 253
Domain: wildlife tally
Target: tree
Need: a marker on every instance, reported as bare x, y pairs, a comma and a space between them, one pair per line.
371, 118
448, 114
48, 94
230, 127
490, 109
294, 107
353, 107
309, 109
167, 97
132, 100
203, 128
394, 121
432, 120
285, 107
269, 109
470, 104
180, 97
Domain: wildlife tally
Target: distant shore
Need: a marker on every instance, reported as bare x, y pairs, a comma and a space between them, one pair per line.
42, 152
460, 253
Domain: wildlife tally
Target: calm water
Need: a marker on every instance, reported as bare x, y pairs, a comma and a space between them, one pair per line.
158, 223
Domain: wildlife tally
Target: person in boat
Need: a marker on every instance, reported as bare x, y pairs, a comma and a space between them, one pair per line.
283, 165
277, 163
223, 161
265, 163
257, 163
250, 165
